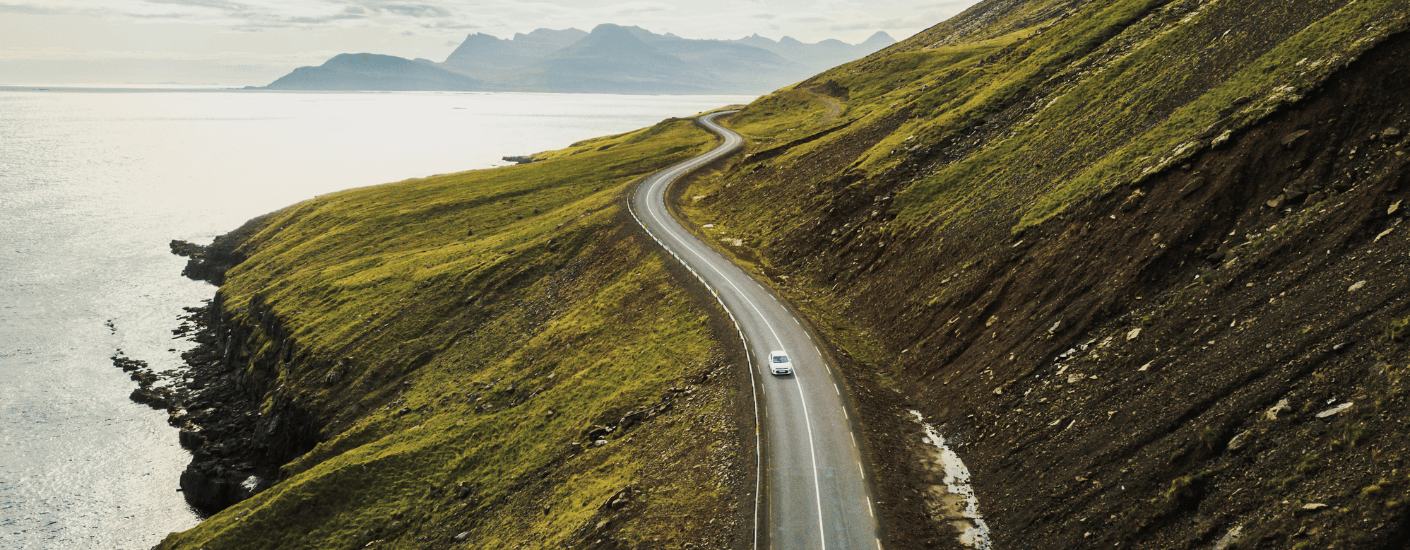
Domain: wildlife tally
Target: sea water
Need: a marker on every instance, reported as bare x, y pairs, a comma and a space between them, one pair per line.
94, 184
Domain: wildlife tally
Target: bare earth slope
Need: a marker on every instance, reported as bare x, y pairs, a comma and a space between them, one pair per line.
1142, 263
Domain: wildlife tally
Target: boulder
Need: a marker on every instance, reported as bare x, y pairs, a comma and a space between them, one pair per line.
192, 437
1277, 410
1334, 410
155, 398
1290, 139
1239, 441
1221, 254
1191, 186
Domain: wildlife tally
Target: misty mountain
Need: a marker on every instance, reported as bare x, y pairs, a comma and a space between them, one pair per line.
610, 59
822, 55
372, 72
484, 56
731, 64
614, 59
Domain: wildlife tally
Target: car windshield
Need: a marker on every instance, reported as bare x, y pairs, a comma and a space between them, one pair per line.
780, 358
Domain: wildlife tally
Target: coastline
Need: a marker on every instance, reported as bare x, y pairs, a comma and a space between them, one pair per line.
237, 444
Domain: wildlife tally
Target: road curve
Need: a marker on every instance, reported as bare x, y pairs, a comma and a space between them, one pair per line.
814, 487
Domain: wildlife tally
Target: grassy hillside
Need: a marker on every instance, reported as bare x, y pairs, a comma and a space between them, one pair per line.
1142, 262
1098, 242
464, 344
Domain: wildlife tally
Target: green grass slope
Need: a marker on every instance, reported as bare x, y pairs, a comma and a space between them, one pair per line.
1095, 242
459, 337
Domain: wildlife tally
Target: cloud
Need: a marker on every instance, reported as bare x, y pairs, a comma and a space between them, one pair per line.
808, 20
417, 10
68, 54
639, 7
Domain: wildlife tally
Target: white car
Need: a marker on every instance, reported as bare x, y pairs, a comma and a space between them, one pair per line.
779, 363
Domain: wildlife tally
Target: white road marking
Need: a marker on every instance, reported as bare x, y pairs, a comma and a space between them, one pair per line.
655, 186
869, 512
854, 438
817, 487
812, 451
730, 143
861, 471
834, 388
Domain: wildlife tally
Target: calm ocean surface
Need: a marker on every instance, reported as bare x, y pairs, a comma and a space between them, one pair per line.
95, 183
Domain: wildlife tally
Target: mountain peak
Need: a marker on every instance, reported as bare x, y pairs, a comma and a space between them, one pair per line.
609, 38
369, 71
879, 38
609, 28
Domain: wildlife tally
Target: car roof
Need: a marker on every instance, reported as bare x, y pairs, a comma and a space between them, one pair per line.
777, 352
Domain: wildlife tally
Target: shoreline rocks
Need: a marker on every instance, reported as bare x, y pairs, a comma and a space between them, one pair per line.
236, 446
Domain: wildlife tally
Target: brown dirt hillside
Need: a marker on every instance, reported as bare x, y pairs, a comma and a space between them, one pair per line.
1200, 348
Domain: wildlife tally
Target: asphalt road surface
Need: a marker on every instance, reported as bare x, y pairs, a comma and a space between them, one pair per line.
814, 494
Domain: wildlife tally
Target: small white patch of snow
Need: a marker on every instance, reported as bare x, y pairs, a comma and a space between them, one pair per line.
975, 534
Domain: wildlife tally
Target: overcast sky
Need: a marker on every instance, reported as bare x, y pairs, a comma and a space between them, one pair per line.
253, 42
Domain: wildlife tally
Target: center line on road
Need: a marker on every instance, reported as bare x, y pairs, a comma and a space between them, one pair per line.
834, 388
658, 184
869, 512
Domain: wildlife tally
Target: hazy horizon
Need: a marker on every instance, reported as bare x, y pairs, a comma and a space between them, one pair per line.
245, 42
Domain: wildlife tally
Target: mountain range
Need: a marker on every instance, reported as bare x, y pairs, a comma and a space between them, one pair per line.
610, 59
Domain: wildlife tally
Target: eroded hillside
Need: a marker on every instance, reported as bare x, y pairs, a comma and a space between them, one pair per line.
1143, 263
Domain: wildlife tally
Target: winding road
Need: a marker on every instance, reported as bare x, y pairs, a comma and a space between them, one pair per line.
815, 493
